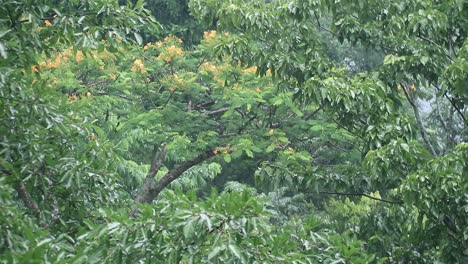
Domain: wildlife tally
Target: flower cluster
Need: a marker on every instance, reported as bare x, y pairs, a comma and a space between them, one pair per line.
209, 67
174, 82
147, 46
138, 67
224, 150
208, 36
412, 88
170, 53
251, 69
79, 56
57, 61
72, 98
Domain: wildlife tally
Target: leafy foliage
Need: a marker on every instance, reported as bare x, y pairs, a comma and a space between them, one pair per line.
275, 139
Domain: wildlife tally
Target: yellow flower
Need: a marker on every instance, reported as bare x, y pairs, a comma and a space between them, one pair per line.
170, 53
34, 68
174, 51
92, 137
138, 66
208, 36
251, 69
147, 46
207, 66
79, 56
271, 132
72, 98
48, 23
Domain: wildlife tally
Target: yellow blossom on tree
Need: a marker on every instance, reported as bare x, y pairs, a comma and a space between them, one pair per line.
138, 66
72, 98
92, 137
79, 56
208, 36
207, 66
251, 69
147, 46
170, 53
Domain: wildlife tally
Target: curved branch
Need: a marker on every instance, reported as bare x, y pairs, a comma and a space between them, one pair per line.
365, 195
149, 180
26, 198
150, 193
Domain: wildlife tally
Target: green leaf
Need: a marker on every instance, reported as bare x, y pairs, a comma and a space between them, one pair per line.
138, 38
3, 51
216, 250
235, 250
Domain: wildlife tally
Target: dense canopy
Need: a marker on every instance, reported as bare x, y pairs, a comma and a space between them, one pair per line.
237, 131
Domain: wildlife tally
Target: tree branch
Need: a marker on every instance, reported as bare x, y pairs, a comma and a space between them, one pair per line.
149, 180
221, 110
438, 46
419, 121
312, 114
363, 194
26, 198
452, 103
150, 193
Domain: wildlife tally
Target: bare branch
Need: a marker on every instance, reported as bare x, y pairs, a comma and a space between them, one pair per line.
363, 194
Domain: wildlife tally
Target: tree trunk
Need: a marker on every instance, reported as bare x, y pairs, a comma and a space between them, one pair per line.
149, 191
149, 180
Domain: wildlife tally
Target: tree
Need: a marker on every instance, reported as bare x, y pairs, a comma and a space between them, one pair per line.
423, 42
258, 145
45, 153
